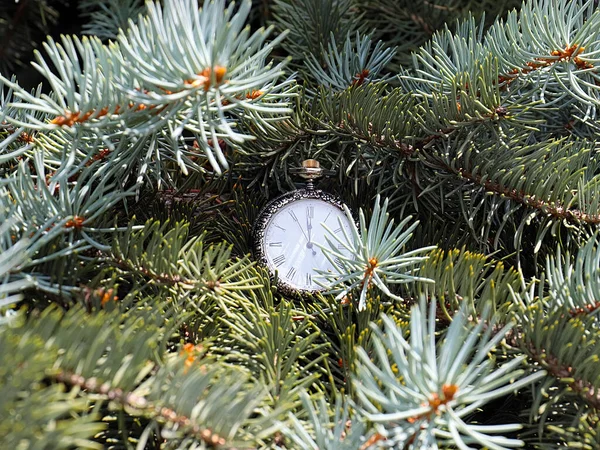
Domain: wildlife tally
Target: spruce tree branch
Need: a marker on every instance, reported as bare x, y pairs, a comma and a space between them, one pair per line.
432, 137
569, 54
362, 113
369, 114
139, 403
163, 278
498, 113
405, 149
553, 209
300, 136
562, 372
565, 373
416, 405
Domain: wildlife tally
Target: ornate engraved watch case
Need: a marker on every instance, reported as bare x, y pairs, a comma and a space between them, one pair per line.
289, 230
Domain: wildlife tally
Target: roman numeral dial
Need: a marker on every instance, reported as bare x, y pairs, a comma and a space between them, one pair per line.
292, 237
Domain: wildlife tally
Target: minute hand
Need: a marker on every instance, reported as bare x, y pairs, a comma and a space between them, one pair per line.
299, 226
309, 244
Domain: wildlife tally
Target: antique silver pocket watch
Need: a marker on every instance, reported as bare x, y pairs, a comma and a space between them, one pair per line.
289, 228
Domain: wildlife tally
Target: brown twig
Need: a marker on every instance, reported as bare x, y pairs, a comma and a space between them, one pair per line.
137, 402
568, 54
553, 209
581, 387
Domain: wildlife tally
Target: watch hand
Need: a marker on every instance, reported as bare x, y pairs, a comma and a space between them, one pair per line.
299, 226
309, 244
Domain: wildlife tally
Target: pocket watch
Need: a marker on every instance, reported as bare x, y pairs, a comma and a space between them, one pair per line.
290, 228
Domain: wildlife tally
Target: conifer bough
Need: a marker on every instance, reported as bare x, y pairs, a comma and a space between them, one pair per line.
178, 68
465, 313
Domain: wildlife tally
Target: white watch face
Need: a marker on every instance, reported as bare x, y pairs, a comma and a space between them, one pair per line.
290, 239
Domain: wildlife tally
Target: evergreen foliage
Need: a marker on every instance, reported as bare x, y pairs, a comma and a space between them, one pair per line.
465, 313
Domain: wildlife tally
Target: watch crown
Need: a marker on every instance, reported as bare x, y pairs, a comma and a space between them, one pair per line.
311, 164
310, 170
